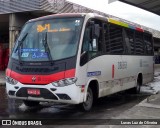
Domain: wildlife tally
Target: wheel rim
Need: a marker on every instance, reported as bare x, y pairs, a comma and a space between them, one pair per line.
89, 100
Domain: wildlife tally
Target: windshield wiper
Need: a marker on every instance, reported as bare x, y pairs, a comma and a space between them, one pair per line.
20, 42
47, 49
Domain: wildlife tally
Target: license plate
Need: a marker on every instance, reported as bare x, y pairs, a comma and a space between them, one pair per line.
33, 91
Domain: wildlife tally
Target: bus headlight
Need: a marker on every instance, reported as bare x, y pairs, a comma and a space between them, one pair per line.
11, 80
64, 82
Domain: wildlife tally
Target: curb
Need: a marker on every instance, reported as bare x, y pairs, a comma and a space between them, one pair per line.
146, 102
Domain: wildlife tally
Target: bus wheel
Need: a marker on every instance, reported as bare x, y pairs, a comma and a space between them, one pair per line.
87, 105
138, 87
136, 90
30, 103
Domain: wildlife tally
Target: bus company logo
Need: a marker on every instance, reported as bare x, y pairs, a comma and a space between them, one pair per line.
95, 73
34, 78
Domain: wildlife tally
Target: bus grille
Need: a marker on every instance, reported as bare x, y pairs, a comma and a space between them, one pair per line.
44, 93
36, 70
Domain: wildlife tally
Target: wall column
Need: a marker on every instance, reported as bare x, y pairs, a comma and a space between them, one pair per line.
14, 29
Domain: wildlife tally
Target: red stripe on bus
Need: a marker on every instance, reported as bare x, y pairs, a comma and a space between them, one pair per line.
40, 79
113, 71
139, 29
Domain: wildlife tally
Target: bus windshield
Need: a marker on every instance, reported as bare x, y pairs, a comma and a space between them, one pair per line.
48, 40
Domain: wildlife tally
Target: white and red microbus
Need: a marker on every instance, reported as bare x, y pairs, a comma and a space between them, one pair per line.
76, 58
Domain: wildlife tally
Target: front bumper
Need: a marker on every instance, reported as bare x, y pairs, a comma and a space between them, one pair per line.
68, 94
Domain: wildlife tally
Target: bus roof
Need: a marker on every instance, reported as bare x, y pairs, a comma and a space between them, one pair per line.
110, 20
59, 15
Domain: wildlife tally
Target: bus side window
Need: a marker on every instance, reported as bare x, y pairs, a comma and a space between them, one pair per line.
139, 44
96, 40
129, 39
91, 46
86, 46
106, 39
114, 40
148, 42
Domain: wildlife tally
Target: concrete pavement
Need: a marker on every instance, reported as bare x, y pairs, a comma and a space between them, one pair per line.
147, 109
144, 111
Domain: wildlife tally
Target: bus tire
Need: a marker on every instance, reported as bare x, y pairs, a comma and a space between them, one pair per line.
30, 103
87, 105
137, 89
